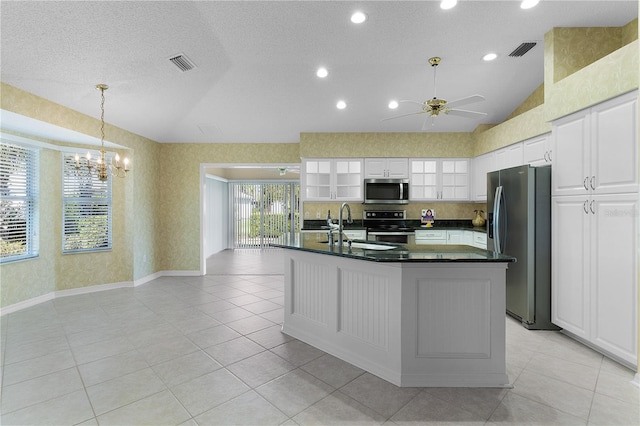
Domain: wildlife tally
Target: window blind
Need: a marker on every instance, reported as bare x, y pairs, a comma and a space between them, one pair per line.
19, 178
86, 210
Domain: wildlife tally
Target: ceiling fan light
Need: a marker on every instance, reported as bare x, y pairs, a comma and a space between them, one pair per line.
393, 104
528, 4
322, 72
448, 4
341, 105
489, 56
358, 17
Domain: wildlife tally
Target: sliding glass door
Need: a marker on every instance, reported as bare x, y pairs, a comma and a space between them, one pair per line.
264, 213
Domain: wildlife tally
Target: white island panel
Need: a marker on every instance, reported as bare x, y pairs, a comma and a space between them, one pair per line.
410, 323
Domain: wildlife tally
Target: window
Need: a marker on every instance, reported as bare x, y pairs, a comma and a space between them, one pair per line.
19, 169
86, 203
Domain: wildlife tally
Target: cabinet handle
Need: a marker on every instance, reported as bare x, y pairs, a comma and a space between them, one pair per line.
593, 178
550, 159
546, 156
584, 206
591, 207
584, 182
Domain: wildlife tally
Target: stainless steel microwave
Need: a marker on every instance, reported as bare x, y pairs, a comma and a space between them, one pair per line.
386, 191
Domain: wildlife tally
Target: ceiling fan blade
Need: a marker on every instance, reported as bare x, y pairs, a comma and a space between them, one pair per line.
465, 101
403, 115
413, 102
466, 114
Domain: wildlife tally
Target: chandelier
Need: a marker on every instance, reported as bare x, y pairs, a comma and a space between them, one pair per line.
100, 166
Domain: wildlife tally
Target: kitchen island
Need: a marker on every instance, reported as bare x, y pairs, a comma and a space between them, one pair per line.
426, 316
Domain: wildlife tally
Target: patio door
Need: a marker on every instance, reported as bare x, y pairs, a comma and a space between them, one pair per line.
264, 213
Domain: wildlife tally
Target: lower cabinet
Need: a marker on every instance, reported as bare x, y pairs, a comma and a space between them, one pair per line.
480, 240
594, 271
457, 237
431, 236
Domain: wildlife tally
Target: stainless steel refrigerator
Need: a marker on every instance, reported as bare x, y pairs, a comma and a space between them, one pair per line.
519, 225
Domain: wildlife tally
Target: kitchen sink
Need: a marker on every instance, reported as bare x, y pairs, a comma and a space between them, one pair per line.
371, 246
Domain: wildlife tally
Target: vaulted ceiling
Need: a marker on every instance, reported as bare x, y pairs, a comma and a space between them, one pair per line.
255, 79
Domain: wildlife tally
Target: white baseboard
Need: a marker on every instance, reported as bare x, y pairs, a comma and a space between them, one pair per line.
636, 380
92, 289
148, 278
181, 273
27, 303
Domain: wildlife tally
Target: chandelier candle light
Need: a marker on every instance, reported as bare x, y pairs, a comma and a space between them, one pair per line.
102, 168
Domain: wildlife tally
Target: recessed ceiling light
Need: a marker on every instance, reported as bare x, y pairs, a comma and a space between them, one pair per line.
341, 105
322, 72
358, 17
448, 4
489, 56
393, 104
528, 4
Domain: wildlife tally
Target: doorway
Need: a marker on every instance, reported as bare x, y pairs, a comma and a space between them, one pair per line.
264, 213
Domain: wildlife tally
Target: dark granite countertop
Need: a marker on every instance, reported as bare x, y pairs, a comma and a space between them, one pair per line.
400, 252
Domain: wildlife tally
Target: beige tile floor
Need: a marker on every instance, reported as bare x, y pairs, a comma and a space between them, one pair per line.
209, 351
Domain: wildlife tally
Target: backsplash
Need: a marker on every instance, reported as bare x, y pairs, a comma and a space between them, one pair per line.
311, 210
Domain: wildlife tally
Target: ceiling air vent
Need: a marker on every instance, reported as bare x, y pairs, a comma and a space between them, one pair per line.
182, 62
522, 49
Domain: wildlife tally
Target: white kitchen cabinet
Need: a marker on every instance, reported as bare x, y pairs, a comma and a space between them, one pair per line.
480, 240
509, 156
594, 270
467, 238
431, 236
439, 179
596, 150
537, 151
386, 168
455, 237
482, 165
332, 179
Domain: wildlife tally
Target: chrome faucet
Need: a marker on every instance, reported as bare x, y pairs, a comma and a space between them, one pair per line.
349, 220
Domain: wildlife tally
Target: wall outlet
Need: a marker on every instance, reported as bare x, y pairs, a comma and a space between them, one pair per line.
317, 214
144, 258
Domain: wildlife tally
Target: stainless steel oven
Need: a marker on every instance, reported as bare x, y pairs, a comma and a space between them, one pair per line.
389, 226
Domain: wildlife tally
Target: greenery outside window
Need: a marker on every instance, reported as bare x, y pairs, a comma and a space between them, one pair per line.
86, 204
19, 176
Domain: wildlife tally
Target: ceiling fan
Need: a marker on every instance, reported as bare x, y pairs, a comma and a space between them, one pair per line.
435, 106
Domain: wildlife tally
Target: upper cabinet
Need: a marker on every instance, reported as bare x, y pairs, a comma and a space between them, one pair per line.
537, 151
332, 179
595, 150
482, 165
444, 179
509, 156
386, 168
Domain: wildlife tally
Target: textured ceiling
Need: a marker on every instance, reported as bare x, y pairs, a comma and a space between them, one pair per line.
255, 76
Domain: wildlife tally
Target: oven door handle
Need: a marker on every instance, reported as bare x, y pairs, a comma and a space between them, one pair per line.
390, 233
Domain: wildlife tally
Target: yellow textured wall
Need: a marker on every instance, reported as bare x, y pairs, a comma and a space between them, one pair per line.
536, 98
179, 214
575, 48
613, 75
426, 144
524, 126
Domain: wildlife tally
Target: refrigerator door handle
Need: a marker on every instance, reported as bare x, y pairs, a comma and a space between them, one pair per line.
497, 206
